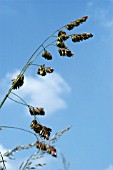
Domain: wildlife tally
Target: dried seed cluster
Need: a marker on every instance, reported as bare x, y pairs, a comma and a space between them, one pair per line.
47, 55
76, 23
63, 50
50, 149
61, 37
19, 82
80, 37
42, 70
36, 111
61, 44
43, 131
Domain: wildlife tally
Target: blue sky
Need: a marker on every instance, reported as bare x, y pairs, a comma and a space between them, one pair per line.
78, 93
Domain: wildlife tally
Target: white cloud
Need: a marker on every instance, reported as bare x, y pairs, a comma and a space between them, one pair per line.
47, 92
110, 167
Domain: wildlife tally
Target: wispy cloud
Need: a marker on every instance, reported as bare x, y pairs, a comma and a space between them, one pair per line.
48, 92
104, 18
101, 14
110, 167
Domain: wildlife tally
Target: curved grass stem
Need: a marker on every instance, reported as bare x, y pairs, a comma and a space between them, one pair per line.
17, 128
33, 57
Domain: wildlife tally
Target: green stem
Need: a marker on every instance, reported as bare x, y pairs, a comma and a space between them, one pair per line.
41, 51
16, 101
20, 98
